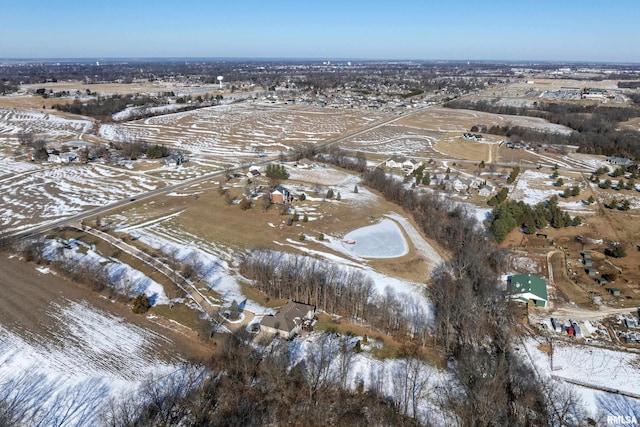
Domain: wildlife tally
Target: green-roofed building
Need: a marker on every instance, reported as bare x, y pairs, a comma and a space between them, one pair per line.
527, 287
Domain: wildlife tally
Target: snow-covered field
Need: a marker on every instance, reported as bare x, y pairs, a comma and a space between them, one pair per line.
589, 366
54, 192
66, 376
394, 140
618, 370
229, 132
50, 126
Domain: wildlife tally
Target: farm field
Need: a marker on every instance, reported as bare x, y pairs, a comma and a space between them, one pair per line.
73, 348
238, 133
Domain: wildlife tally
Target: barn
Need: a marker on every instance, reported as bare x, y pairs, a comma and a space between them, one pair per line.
527, 287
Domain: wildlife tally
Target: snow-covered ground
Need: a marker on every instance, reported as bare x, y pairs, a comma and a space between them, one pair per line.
41, 124
122, 277
54, 192
65, 377
588, 366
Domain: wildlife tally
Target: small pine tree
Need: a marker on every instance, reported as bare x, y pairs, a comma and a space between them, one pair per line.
295, 217
590, 200
329, 194
305, 218
301, 237
338, 196
355, 189
320, 236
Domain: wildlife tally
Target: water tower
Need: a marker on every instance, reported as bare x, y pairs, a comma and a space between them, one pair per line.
220, 78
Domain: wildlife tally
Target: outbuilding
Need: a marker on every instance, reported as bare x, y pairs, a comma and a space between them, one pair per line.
527, 287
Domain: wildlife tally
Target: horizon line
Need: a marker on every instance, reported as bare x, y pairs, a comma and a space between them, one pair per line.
292, 59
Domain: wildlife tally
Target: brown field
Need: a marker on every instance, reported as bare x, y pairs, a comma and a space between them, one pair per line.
27, 294
459, 148
211, 218
449, 120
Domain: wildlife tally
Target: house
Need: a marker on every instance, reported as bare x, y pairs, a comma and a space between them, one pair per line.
395, 162
280, 195
54, 158
591, 272
401, 162
460, 184
290, 320
576, 330
410, 165
485, 191
173, 159
303, 164
527, 287
253, 171
618, 161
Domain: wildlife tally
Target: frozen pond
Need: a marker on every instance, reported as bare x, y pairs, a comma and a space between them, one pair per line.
382, 240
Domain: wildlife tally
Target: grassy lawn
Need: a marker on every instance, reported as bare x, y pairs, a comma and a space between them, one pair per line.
260, 297
391, 348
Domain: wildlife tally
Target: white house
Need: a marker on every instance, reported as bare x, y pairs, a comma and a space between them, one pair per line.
395, 162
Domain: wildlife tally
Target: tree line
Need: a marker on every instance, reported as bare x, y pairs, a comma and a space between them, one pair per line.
596, 128
336, 289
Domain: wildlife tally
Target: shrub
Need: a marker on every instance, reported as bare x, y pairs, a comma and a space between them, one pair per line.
245, 204
140, 304
617, 251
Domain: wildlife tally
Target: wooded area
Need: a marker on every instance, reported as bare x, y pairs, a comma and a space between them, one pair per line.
596, 128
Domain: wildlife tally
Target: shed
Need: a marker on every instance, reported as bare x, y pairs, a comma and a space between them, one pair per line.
527, 287
592, 272
586, 255
588, 263
614, 291
602, 281
630, 323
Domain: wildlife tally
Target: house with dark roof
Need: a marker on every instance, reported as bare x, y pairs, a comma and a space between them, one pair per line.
281, 194
290, 320
527, 287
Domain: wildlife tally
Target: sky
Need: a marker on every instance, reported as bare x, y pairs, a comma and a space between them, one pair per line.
558, 30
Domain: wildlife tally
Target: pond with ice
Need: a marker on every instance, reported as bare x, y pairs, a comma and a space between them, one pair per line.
382, 240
